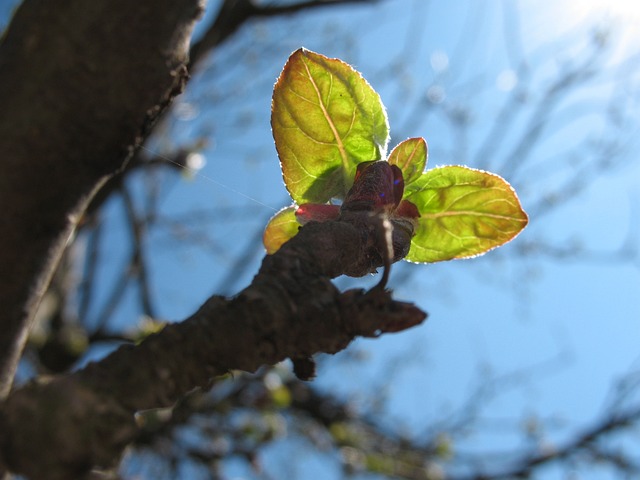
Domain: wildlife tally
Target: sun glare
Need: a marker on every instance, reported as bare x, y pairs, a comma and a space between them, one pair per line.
617, 10
619, 19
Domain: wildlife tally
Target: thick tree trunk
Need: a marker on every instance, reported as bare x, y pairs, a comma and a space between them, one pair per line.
80, 83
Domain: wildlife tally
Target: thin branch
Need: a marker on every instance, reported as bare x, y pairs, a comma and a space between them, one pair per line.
138, 264
234, 13
92, 256
541, 115
119, 289
581, 442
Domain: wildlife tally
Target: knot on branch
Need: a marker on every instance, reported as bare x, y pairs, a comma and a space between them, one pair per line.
374, 312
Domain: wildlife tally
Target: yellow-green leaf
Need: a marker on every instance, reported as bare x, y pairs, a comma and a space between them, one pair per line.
325, 119
463, 212
282, 227
411, 157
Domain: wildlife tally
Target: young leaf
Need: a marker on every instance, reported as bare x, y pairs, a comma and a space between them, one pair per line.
411, 156
463, 213
325, 119
282, 227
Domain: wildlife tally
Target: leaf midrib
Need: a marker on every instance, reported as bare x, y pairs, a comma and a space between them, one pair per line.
339, 144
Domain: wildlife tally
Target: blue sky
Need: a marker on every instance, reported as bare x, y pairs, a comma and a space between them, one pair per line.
569, 326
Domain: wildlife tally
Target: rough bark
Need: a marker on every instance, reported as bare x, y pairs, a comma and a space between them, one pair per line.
63, 428
80, 83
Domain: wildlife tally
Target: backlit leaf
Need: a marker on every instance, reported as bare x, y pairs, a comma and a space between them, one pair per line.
411, 157
463, 213
325, 119
282, 227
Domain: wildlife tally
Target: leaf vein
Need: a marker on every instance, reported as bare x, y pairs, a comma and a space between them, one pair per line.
328, 118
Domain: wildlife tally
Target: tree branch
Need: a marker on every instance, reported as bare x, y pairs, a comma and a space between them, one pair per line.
234, 13
291, 309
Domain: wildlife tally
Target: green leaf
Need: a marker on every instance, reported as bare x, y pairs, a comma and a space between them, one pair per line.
463, 213
325, 119
411, 157
282, 227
